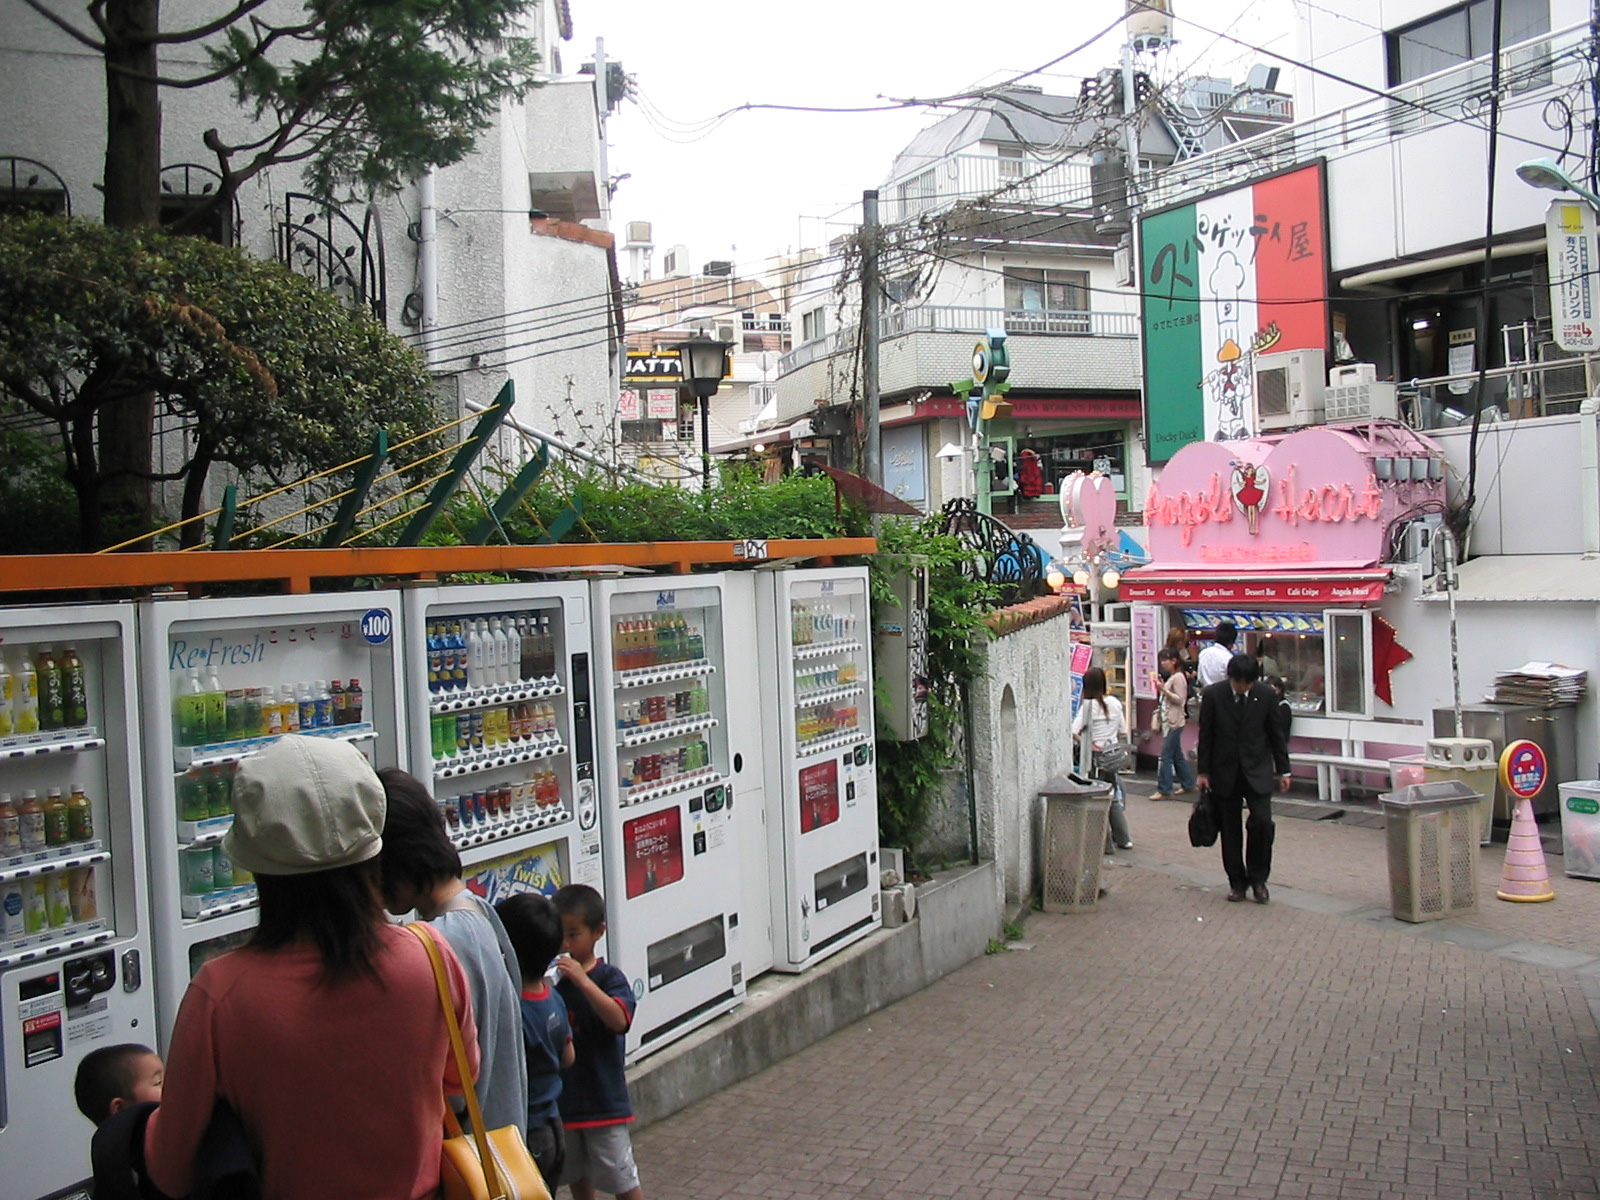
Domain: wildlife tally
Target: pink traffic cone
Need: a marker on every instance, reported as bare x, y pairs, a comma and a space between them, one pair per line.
1526, 878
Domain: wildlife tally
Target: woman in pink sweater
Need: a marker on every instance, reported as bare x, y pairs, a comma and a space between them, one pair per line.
324, 1034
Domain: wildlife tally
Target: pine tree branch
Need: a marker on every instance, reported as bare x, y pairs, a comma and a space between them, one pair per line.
66, 26
243, 8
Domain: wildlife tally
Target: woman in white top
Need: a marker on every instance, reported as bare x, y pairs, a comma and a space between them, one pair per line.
1103, 717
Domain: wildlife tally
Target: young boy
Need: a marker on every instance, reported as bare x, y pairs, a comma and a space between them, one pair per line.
594, 1092
112, 1080
535, 933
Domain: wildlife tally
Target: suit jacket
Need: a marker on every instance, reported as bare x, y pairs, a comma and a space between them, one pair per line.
1242, 746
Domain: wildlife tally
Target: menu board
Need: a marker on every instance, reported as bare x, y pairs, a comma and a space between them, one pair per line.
1147, 642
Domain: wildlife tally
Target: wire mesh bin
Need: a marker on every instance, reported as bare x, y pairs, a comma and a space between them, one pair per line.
1074, 835
1433, 849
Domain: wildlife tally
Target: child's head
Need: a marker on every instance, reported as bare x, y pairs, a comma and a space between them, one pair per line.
1276, 681
113, 1077
583, 919
535, 932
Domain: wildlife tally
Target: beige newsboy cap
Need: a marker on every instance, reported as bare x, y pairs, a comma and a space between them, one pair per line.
305, 804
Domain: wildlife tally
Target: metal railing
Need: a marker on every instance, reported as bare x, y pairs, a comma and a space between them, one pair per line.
1453, 94
960, 177
965, 318
1519, 392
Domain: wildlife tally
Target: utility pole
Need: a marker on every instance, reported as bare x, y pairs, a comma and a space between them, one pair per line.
871, 320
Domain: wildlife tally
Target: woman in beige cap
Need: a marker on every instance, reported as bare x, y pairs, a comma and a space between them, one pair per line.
323, 1033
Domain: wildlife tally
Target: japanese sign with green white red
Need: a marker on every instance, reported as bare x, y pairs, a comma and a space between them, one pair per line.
1233, 275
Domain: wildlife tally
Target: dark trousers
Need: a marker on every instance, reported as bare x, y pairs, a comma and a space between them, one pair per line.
1245, 865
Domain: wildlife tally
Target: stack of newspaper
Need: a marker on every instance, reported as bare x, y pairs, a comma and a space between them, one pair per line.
1549, 685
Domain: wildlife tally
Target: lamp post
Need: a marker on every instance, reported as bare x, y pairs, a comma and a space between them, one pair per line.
1548, 173
704, 362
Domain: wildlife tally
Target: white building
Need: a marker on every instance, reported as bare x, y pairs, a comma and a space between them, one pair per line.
500, 266
1008, 216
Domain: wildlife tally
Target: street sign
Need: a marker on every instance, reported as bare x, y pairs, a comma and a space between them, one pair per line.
1572, 239
1524, 769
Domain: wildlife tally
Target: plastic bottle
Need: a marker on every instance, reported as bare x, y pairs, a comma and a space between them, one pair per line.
189, 709
458, 640
288, 707
11, 925
216, 704
219, 792
513, 651
57, 825
308, 705
8, 720
697, 644
193, 804
35, 911
474, 656
10, 827
322, 706
57, 899
435, 649
254, 721
80, 815
336, 690
355, 702
52, 692
502, 653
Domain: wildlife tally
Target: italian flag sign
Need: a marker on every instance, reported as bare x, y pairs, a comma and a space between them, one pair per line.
1230, 276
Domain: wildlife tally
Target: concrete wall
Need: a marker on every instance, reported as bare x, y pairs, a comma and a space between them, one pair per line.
957, 914
1020, 717
1528, 498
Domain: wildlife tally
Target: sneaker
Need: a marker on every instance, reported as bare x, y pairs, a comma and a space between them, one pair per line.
1129, 846
1164, 796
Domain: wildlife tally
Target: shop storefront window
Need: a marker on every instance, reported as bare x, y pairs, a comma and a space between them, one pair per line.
1349, 635
1062, 454
1321, 657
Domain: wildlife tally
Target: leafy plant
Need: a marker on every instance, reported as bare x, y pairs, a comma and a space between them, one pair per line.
911, 774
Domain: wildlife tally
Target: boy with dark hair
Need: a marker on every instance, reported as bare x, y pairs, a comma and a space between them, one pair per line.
113, 1077
535, 932
594, 1091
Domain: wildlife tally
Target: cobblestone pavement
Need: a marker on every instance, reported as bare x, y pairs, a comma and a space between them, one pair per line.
1172, 1045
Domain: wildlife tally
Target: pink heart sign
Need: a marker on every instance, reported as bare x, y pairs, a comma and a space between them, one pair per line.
1311, 499
1089, 502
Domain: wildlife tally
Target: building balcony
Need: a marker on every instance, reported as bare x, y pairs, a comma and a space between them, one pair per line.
927, 347
1003, 182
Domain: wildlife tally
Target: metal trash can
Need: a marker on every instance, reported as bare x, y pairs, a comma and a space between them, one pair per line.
1580, 828
1433, 849
1074, 837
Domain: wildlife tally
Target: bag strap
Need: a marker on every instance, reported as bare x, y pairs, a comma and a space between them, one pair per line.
474, 1112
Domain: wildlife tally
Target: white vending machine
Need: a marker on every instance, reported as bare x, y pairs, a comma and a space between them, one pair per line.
223, 678
74, 935
822, 791
502, 730
662, 691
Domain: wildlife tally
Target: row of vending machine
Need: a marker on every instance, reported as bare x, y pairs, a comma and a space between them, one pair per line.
698, 748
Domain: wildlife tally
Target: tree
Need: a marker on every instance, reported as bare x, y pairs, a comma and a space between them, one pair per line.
364, 93
266, 370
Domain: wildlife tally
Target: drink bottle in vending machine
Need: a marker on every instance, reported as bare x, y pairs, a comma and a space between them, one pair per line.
498, 686
223, 679
667, 801
74, 935
821, 779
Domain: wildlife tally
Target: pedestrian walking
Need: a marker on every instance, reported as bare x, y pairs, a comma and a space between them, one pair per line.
1241, 751
1212, 666
1103, 717
1172, 702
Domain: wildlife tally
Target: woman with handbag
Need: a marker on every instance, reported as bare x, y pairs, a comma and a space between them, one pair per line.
1172, 693
324, 1033
1102, 715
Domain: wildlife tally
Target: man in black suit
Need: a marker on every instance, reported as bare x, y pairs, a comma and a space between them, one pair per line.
1242, 748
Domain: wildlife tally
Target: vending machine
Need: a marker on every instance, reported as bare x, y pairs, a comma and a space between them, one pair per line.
662, 691
822, 791
222, 679
74, 934
502, 730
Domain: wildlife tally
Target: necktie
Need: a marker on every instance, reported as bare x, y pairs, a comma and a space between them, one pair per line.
1238, 697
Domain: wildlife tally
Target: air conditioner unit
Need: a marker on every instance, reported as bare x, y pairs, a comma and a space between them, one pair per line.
1362, 402
1289, 389
725, 333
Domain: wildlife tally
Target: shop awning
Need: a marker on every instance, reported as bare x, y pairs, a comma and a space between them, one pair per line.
1196, 589
1535, 578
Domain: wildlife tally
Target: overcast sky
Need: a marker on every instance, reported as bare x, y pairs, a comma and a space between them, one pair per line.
763, 182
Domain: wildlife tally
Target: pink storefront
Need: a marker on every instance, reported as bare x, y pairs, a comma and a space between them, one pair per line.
1294, 538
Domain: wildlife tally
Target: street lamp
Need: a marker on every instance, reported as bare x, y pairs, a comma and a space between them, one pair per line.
704, 362
1548, 173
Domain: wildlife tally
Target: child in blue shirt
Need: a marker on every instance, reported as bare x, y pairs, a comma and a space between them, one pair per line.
594, 1094
535, 932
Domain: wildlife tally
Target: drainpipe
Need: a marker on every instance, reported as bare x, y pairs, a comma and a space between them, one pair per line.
428, 261
1589, 474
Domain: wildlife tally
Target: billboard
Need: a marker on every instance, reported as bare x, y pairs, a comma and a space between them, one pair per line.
1229, 276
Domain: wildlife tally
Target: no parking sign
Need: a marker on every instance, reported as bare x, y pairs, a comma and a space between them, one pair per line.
1524, 769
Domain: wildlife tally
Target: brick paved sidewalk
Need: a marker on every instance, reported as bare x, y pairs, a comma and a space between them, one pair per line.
1174, 1046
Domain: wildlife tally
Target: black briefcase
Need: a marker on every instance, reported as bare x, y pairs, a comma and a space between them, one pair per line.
1203, 821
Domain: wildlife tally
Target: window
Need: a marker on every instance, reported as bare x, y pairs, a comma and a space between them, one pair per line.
916, 193
1046, 301
1461, 34
1349, 670
686, 425
814, 325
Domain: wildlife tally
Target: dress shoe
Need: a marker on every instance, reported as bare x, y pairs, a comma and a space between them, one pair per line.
1164, 796
1236, 895
1259, 893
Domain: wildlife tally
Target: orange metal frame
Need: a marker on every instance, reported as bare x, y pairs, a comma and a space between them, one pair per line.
295, 569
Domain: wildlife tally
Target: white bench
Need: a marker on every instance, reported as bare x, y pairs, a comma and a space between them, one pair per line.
1352, 736
1330, 766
